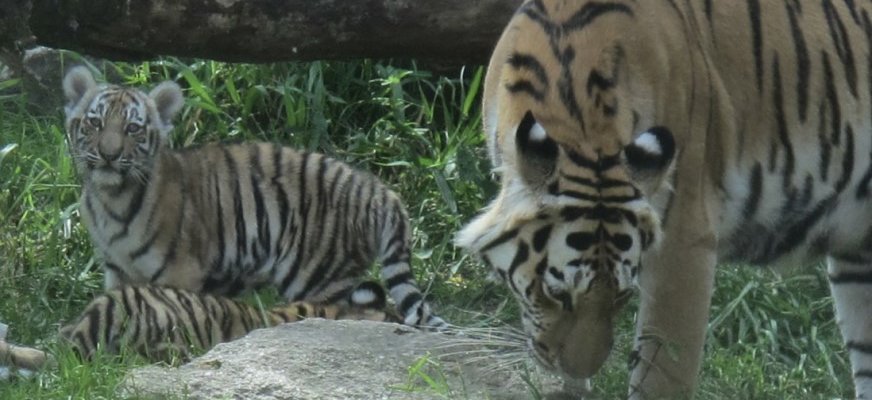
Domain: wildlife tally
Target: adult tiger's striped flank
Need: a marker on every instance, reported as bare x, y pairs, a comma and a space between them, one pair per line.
161, 323
641, 142
223, 219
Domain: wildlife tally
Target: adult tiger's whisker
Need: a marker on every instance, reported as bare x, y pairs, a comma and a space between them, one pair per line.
488, 332
468, 353
502, 366
499, 343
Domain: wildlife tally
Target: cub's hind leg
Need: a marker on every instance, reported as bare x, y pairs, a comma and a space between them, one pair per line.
397, 273
851, 285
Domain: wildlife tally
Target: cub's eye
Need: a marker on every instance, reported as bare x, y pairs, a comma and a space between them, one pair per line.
95, 122
132, 129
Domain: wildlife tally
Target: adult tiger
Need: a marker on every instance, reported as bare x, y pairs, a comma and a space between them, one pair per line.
730, 130
161, 322
225, 218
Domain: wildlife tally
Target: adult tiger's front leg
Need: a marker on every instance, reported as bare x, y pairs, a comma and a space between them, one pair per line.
676, 284
850, 281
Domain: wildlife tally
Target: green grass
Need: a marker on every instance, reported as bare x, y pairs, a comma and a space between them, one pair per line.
771, 338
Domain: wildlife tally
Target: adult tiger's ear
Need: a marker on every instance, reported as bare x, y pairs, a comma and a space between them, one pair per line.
77, 82
168, 100
537, 153
650, 157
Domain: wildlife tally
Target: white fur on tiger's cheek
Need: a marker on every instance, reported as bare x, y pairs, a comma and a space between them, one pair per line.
648, 142
512, 206
537, 133
469, 237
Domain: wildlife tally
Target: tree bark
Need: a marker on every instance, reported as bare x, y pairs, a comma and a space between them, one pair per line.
462, 31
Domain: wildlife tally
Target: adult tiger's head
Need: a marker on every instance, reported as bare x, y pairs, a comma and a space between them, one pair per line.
115, 132
574, 216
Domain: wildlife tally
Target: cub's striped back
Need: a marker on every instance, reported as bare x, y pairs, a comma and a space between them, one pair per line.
160, 322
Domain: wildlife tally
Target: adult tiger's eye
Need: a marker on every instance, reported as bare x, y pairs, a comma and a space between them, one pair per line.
133, 128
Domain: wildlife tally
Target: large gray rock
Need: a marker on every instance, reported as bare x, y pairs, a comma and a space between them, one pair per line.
318, 359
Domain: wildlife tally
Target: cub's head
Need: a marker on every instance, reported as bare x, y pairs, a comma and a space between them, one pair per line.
115, 132
569, 119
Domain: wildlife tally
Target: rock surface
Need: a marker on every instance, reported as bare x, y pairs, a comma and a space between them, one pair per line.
318, 359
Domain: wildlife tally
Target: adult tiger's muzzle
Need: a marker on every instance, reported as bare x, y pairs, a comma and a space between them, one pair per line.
577, 342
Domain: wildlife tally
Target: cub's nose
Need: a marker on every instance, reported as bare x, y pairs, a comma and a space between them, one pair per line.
109, 155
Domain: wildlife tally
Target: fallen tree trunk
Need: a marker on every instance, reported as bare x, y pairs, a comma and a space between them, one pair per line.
462, 31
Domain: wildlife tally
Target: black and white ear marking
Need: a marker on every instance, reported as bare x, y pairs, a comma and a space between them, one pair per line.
652, 150
537, 153
532, 140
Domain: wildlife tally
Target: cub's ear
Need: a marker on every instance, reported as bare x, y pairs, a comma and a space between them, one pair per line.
650, 157
168, 100
537, 153
77, 82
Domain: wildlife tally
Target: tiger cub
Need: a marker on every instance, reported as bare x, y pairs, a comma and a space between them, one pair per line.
223, 219
160, 322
